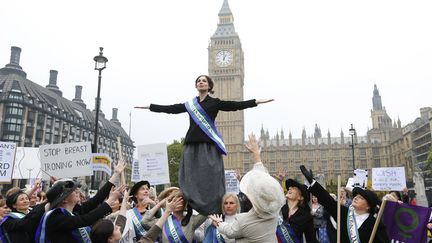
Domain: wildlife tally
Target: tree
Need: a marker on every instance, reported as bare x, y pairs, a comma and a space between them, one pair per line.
174, 155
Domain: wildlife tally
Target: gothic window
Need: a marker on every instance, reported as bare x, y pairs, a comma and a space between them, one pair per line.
377, 163
337, 164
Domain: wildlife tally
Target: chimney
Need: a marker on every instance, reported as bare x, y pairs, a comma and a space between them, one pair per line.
77, 99
13, 66
15, 56
114, 118
53, 83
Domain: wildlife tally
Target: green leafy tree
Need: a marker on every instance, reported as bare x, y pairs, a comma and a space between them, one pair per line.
174, 155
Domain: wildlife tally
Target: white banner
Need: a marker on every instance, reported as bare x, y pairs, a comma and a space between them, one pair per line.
7, 158
101, 162
66, 160
153, 163
135, 174
231, 182
388, 179
360, 178
27, 163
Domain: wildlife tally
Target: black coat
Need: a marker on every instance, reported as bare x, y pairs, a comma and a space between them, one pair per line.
23, 230
211, 106
365, 229
301, 222
59, 225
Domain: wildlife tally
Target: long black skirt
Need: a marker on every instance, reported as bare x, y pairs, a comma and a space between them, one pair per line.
202, 177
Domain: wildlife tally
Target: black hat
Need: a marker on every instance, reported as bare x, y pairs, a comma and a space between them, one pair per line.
61, 190
136, 187
303, 189
370, 197
11, 199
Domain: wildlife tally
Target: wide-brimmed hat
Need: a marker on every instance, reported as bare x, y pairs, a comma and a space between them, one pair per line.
135, 188
264, 192
303, 189
370, 197
61, 190
167, 192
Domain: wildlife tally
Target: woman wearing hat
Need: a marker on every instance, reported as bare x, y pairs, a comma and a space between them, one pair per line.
63, 223
267, 197
140, 196
201, 175
297, 219
21, 223
357, 221
173, 231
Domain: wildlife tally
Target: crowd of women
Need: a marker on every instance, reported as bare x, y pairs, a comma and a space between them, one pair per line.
268, 209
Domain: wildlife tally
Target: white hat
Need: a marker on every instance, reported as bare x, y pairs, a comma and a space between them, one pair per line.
264, 192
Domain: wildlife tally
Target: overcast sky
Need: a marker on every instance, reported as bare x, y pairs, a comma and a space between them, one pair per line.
319, 59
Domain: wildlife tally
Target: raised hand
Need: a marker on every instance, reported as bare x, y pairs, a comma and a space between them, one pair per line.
216, 219
307, 174
119, 168
253, 147
171, 204
280, 174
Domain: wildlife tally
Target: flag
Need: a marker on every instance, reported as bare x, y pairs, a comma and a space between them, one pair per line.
406, 223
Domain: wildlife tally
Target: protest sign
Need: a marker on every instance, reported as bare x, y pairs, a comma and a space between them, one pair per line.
388, 179
27, 163
135, 177
7, 158
360, 178
66, 160
153, 163
101, 162
231, 182
406, 223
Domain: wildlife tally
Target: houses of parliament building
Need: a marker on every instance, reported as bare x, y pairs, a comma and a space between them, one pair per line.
386, 144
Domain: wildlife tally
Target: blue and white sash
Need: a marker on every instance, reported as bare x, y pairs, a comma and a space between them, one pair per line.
212, 235
285, 233
4, 237
136, 221
203, 120
174, 231
353, 234
80, 234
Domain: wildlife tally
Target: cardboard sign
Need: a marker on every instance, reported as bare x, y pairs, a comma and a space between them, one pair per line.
388, 179
360, 178
7, 158
102, 162
135, 177
153, 163
231, 182
66, 160
27, 163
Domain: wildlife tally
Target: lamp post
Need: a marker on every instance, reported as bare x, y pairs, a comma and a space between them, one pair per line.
100, 64
352, 132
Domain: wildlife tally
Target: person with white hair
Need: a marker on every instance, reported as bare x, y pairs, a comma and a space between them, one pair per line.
267, 198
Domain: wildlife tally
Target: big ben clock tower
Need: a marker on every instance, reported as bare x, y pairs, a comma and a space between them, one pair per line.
226, 68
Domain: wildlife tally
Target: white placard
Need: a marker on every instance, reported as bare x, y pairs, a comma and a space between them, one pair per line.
135, 174
153, 163
360, 178
102, 162
27, 163
7, 158
66, 160
388, 179
231, 182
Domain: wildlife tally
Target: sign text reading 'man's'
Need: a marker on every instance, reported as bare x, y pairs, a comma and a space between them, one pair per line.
66, 160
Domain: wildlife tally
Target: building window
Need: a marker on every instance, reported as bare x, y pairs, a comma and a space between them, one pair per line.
337, 164
377, 163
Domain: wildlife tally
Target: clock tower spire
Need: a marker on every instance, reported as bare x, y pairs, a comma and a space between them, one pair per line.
226, 68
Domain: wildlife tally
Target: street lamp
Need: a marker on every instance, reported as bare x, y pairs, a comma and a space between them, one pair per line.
352, 132
100, 64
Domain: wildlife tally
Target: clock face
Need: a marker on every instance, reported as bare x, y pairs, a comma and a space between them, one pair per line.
224, 58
